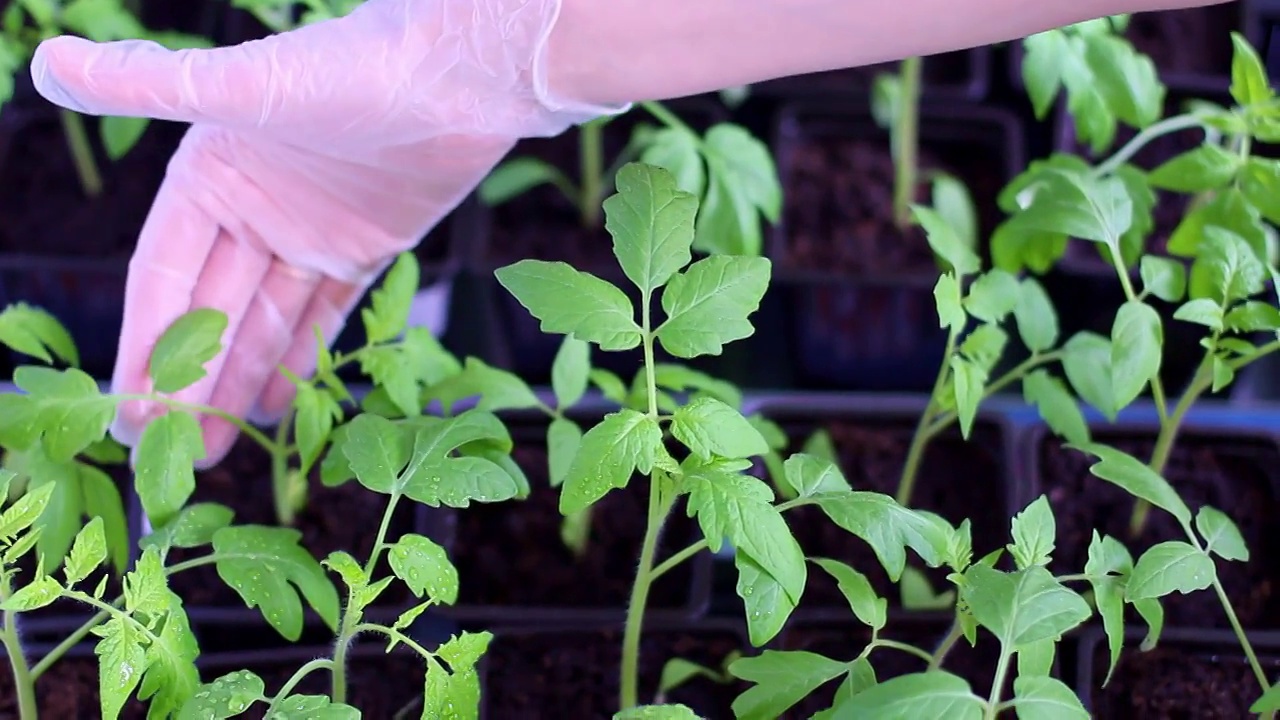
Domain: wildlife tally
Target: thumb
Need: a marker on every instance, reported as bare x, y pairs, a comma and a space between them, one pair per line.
138, 78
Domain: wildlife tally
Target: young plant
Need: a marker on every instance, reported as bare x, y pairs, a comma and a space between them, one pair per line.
146, 643
730, 170
896, 106
27, 22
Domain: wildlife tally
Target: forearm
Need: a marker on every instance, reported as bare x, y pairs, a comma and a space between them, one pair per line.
612, 51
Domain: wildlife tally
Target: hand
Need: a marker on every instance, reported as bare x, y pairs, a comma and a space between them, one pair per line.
315, 156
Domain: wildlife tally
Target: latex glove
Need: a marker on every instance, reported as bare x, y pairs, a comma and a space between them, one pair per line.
315, 157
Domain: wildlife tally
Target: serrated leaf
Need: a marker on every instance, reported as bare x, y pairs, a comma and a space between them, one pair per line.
1137, 341
33, 331
451, 695
1133, 476
313, 707
571, 302
651, 221
179, 356
810, 475
608, 455
25, 510
122, 660
193, 526
226, 697
1106, 567
392, 300
676, 151
569, 371
992, 296
969, 383
946, 296
165, 475
1253, 316
1023, 607
871, 609
496, 389
42, 591
1034, 534
88, 551
780, 680
954, 204
710, 428
1207, 167
264, 565
708, 305
1169, 567
1226, 268
1221, 536
933, 694
425, 568
766, 603
887, 527
67, 409
1260, 183
316, 411
1082, 206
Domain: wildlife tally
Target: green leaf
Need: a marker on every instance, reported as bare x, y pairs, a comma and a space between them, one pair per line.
178, 359
1046, 698
1126, 79
226, 697
1169, 567
780, 680
193, 526
608, 455
1023, 607
69, 412
392, 374
749, 163
1152, 613
569, 371
1108, 556
1034, 533
871, 609
1036, 318
887, 527
1221, 536
933, 694
610, 385
517, 176
708, 305
122, 659
313, 707
680, 378
809, 475
710, 428
651, 221
1260, 183
1036, 659
101, 498
992, 296
264, 565
1253, 316
1207, 167
1164, 278
1137, 339
954, 204
1249, 82
121, 134
1080, 205
917, 593
676, 151
742, 185
164, 474
1087, 363
1133, 476
453, 695
25, 510
87, 552
32, 331
985, 346
1056, 406
1202, 312
497, 389
570, 302
392, 300
946, 295
946, 242
42, 591
316, 412
737, 507
766, 602
425, 568
564, 437
969, 381
1042, 68
1227, 268
1269, 702
657, 712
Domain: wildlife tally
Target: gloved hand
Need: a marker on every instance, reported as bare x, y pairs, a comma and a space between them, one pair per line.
314, 158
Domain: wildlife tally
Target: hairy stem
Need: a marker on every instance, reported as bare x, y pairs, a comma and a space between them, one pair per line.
23, 680
291, 683
944, 648
1169, 125
69, 642
903, 647
1241, 635
350, 625
1002, 670
81, 152
394, 635
249, 431
280, 472
591, 156
919, 439
666, 117
906, 141
670, 563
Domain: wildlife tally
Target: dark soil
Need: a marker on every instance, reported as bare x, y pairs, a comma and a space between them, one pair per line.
956, 479
511, 554
575, 675
844, 642
342, 518
838, 201
379, 686
1236, 476
68, 690
1194, 41
1175, 682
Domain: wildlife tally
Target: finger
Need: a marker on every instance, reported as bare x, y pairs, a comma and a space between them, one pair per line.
256, 352
329, 307
172, 249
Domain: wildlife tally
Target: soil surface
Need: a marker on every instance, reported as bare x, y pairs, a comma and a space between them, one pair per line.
1175, 682
838, 202
1235, 476
575, 675
68, 691
843, 642
342, 518
511, 553
1192, 41
957, 480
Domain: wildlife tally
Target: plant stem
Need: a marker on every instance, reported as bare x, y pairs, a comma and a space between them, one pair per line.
907, 481
909, 649
1168, 435
250, 431
394, 635
591, 156
1002, 669
280, 472
67, 643
81, 152
305, 670
953, 636
23, 680
670, 563
906, 138
1240, 634
666, 117
1009, 378
1169, 125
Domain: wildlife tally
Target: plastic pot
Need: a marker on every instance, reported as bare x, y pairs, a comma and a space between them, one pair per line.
1234, 470
957, 479
574, 667
1198, 674
513, 563
859, 292
960, 75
